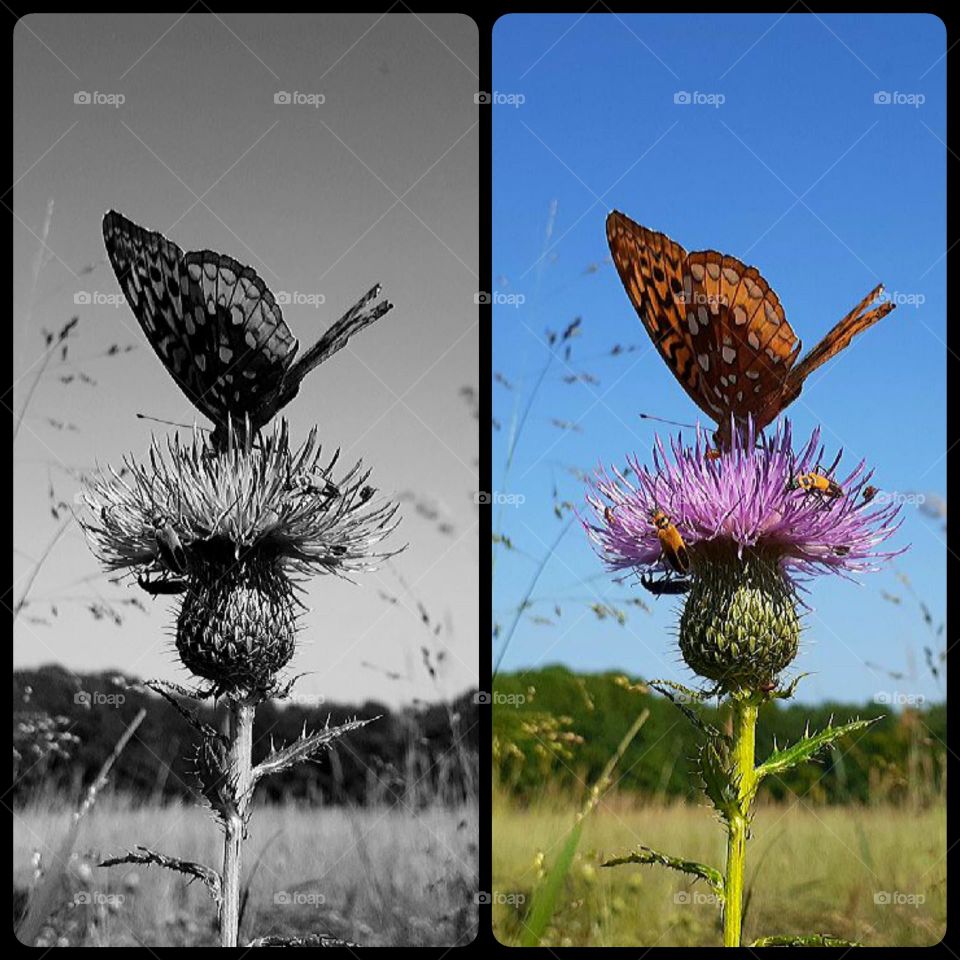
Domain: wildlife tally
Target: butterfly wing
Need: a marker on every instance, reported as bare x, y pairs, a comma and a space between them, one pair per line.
333, 340
651, 268
247, 346
212, 321
856, 321
741, 336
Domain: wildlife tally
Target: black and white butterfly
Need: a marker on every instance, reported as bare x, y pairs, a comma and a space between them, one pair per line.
217, 327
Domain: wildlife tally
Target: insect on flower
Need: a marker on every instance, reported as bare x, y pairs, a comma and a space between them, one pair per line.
868, 493
665, 586
170, 548
157, 587
608, 515
816, 482
671, 543
720, 328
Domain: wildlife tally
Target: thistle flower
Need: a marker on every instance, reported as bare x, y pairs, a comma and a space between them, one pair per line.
235, 534
752, 535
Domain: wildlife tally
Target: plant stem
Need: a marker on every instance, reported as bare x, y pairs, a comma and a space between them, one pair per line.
239, 774
744, 745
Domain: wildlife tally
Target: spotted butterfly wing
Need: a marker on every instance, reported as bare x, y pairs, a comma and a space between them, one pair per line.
720, 327
211, 321
216, 326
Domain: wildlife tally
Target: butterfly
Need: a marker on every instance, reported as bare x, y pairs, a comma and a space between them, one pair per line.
720, 328
217, 328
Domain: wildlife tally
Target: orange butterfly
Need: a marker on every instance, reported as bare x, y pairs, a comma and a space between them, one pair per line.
719, 326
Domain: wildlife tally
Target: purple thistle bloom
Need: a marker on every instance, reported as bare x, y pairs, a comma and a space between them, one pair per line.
743, 500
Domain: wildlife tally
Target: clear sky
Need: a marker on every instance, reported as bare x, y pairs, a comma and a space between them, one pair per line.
783, 157
377, 183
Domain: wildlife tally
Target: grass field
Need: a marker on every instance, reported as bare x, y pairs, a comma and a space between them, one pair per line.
876, 875
379, 876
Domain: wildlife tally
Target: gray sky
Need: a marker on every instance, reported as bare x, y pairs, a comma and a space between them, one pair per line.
379, 182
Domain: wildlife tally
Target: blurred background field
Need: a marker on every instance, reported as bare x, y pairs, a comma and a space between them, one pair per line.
376, 875
376, 842
854, 845
873, 873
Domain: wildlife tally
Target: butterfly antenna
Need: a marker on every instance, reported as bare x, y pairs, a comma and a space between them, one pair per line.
169, 423
673, 423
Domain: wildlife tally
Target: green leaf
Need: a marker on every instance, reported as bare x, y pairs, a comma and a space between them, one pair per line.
814, 940
701, 871
808, 747
787, 692
720, 783
545, 897
678, 694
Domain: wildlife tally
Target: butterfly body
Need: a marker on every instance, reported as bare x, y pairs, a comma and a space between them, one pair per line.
672, 546
217, 328
720, 327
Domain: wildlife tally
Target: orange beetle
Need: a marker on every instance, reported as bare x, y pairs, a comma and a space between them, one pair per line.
816, 482
671, 543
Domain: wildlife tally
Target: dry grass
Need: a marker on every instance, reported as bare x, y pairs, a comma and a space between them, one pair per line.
379, 876
811, 870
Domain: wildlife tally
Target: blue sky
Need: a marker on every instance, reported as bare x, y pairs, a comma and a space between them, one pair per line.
785, 159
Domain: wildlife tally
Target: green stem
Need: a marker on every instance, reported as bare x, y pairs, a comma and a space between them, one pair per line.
744, 746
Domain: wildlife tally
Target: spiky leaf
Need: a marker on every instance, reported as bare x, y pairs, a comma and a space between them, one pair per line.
700, 871
807, 748
813, 940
